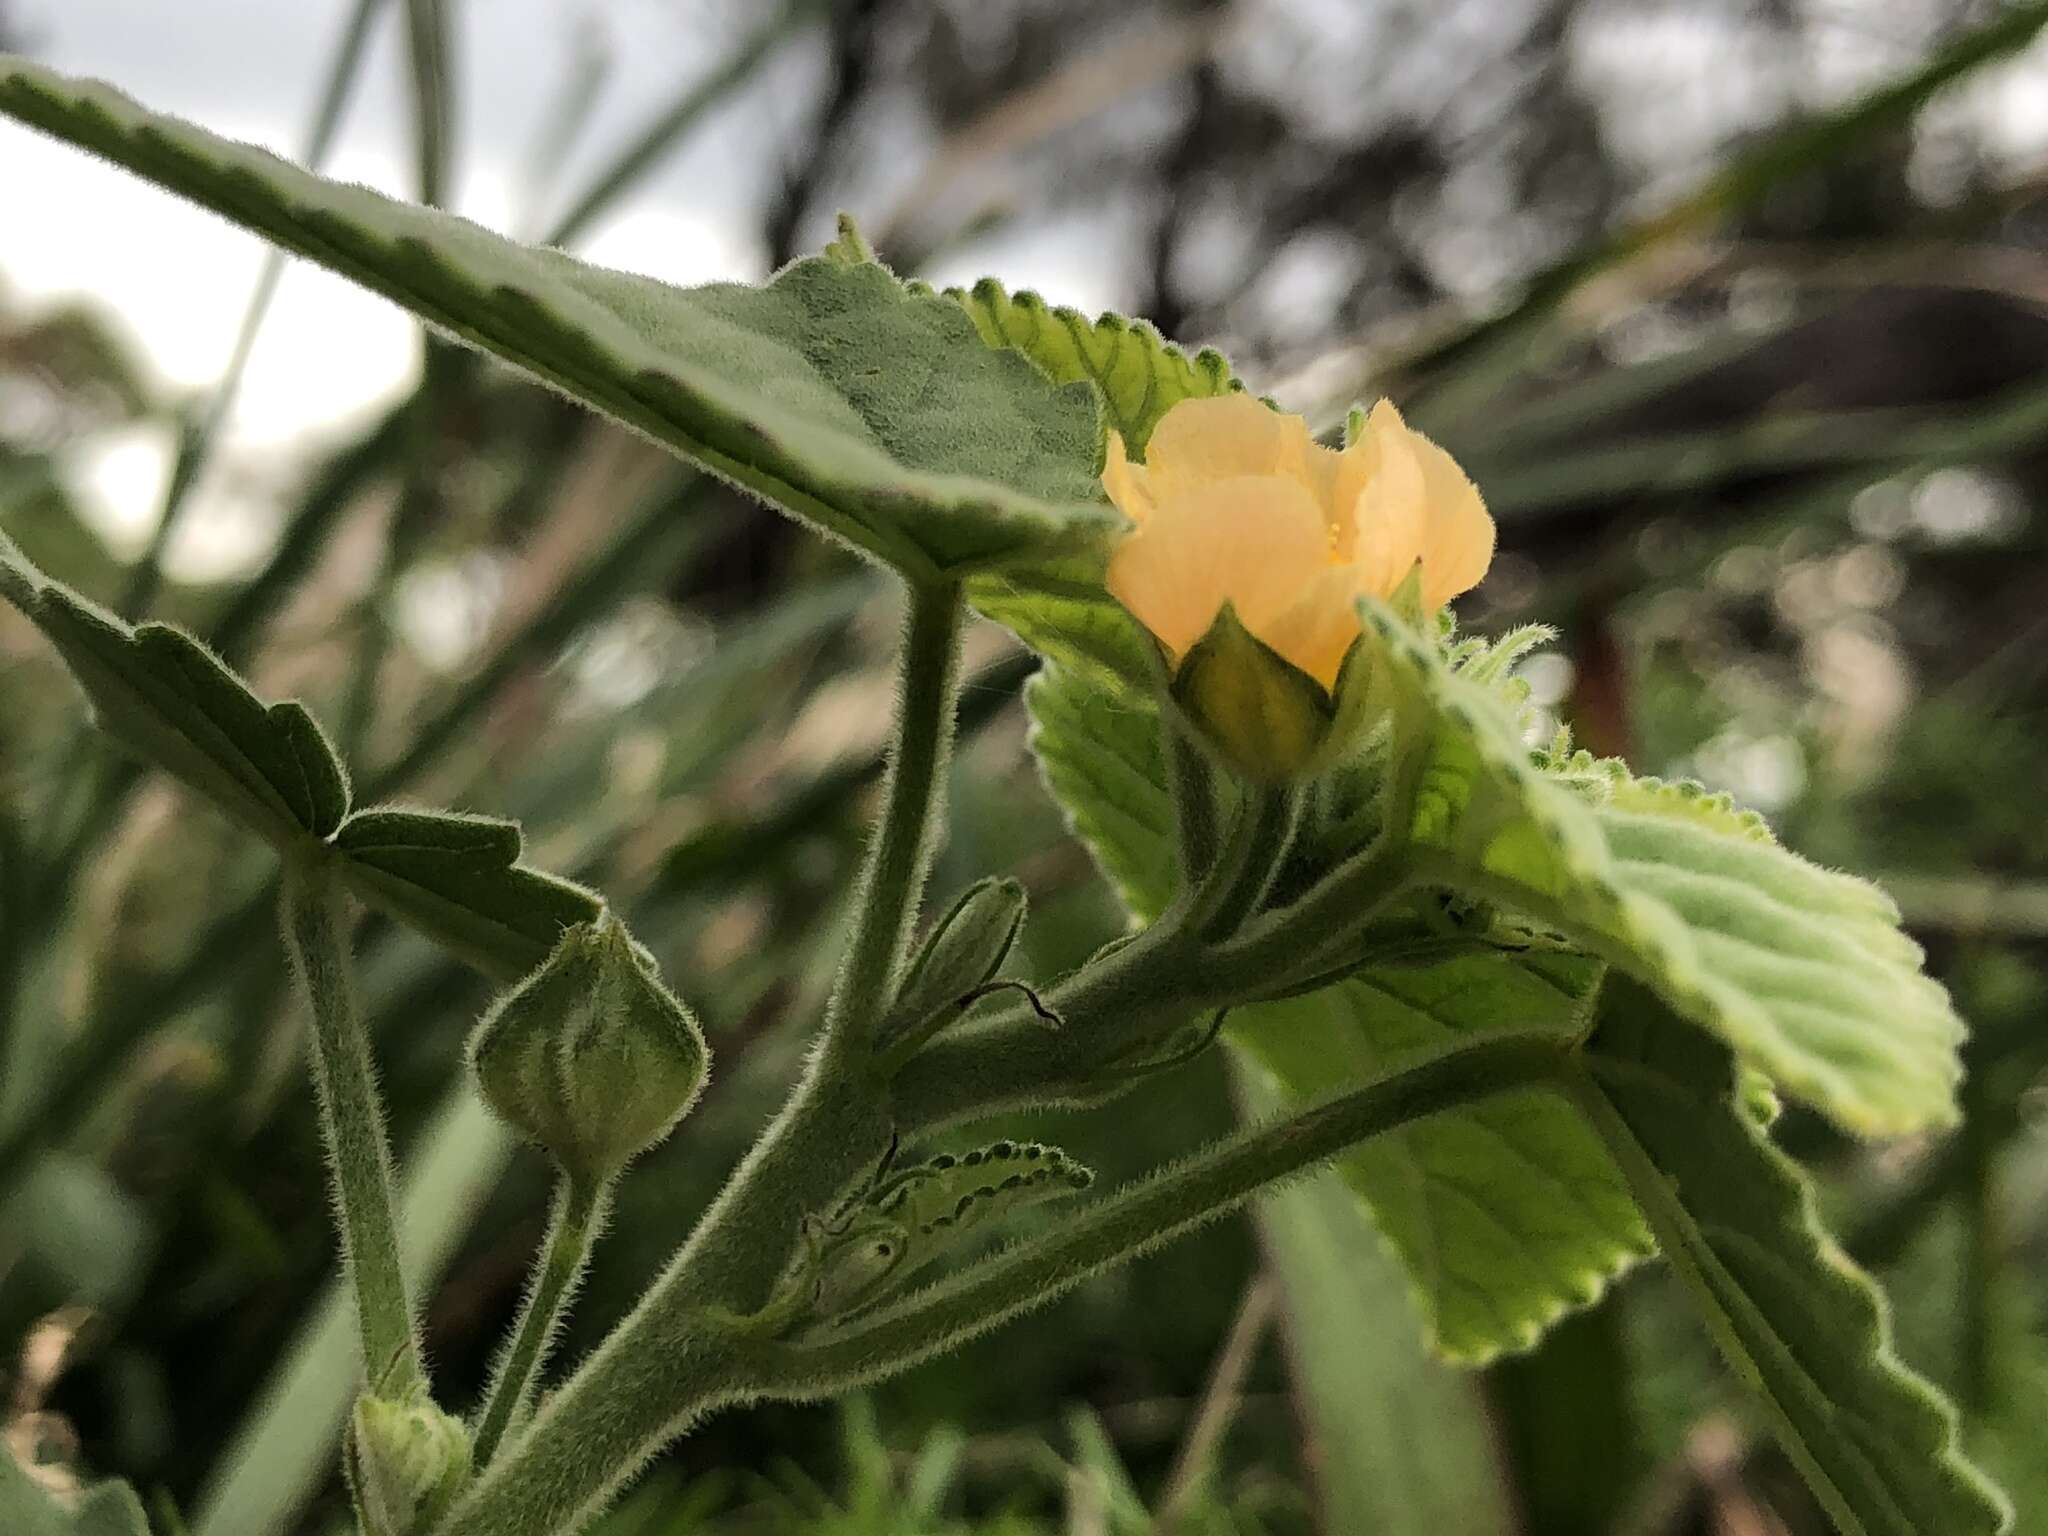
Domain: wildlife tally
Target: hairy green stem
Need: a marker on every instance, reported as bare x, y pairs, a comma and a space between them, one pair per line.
1193, 782
678, 1356
900, 857
671, 1360
1245, 868
352, 1125
573, 1229
1142, 1216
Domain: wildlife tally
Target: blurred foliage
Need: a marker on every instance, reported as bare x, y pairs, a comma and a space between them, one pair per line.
1778, 481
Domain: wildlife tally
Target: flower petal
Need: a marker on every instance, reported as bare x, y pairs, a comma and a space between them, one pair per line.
1381, 482
1128, 485
1219, 437
1318, 629
1256, 542
1457, 545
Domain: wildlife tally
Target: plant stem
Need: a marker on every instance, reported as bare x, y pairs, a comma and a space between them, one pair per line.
1244, 869
671, 1361
573, 1228
1141, 1216
1193, 783
352, 1125
900, 855
674, 1359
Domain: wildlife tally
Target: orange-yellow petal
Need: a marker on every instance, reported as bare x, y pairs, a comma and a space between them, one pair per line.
1319, 628
1457, 546
1201, 441
1256, 542
1388, 502
1127, 483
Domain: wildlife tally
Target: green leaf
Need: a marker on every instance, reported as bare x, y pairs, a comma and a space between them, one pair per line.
1505, 1213
457, 878
105, 1509
1796, 1320
863, 407
1805, 972
171, 701
1141, 374
1400, 1444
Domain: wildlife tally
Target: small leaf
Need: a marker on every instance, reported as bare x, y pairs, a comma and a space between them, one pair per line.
1804, 971
864, 408
458, 879
1798, 1323
172, 702
1141, 374
883, 1234
109, 1508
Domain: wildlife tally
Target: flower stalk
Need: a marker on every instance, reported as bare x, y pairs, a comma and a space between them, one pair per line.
573, 1228
352, 1126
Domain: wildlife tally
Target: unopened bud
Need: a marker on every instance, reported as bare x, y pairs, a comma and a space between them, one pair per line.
963, 950
591, 1057
407, 1462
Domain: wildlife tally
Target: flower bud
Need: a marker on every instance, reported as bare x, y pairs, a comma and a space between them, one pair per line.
591, 1057
964, 949
407, 1462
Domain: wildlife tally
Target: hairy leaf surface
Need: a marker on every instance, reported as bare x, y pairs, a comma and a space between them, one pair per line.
171, 701
1805, 972
1795, 1318
1141, 374
457, 878
454, 877
868, 409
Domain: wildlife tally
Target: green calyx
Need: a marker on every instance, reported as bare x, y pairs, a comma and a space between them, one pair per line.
407, 1460
590, 1057
1267, 719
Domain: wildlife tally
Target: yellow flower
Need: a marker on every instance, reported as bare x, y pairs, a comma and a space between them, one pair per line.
1237, 504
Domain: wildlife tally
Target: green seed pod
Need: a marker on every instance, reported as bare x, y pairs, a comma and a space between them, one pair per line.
590, 1057
963, 950
407, 1461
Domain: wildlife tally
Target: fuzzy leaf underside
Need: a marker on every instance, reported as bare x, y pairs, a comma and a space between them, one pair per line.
1803, 971
865, 408
457, 879
170, 701
1795, 1318
1505, 1214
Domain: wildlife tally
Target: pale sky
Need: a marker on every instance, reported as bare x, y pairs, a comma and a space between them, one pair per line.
330, 355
